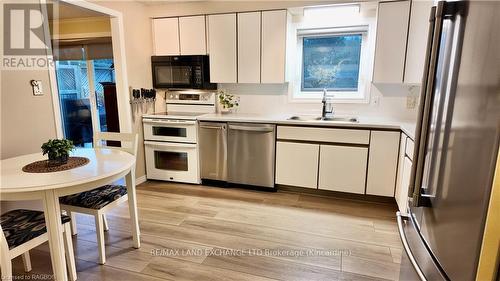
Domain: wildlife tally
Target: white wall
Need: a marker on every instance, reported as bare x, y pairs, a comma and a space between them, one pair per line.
275, 99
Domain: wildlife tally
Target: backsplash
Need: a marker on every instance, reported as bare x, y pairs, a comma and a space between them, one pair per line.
274, 99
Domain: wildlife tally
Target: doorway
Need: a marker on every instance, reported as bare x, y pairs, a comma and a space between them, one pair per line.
84, 71
88, 53
81, 97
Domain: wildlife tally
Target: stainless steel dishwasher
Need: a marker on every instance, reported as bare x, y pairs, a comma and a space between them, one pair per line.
213, 150
251, 154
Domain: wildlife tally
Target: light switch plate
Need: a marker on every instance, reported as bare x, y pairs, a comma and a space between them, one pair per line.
37, 87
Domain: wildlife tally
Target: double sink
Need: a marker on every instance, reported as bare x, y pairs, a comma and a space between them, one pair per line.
325, 119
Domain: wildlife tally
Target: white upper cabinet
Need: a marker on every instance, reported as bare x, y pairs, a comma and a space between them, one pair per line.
223, 49
274, 25
166, 36
249, 27
382, 163
390, 48
417, 41
193, 40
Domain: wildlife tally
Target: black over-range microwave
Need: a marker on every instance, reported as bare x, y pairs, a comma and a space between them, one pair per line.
181, 72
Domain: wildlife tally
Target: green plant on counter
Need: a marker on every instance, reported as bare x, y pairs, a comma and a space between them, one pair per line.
228, 100
57, 148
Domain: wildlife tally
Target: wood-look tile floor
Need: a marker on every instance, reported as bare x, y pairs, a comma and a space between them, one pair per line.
193, 232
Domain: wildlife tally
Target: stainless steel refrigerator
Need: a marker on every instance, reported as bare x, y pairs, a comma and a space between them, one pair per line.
456, 143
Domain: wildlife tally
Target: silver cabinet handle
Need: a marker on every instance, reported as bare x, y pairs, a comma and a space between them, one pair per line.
407, 247
251, 129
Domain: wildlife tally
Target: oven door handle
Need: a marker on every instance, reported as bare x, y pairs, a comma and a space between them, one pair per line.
168, 122
170, 144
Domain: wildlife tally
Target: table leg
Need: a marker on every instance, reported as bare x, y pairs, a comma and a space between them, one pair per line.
132, 206
52, 214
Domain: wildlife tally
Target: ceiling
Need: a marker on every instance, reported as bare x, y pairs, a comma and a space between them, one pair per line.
64, 10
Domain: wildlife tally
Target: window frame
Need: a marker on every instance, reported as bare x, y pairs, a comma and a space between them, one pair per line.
359, 96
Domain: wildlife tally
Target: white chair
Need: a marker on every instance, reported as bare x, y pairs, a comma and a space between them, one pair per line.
98, 201
22, 230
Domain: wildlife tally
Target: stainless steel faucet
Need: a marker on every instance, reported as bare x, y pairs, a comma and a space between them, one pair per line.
327, 106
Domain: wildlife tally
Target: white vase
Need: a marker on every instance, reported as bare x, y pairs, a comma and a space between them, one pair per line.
224, 110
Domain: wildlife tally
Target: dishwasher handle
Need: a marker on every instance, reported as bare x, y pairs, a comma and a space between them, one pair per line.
264, 129
221, 127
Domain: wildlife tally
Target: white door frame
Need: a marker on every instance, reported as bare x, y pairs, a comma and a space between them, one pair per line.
119, 59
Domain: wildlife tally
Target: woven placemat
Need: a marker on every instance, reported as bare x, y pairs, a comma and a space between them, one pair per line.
43, 165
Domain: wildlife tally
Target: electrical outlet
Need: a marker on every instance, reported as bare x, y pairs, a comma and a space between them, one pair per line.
37, 87
412, 98
411, 102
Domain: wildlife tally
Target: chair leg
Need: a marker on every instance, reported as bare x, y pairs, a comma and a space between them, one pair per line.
70, 255
99, 229
74, 229
26, 261
6, 265
105, 222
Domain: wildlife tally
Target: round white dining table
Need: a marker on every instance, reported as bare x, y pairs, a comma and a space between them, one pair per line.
105, 166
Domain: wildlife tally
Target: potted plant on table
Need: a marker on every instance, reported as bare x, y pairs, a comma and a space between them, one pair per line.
227, 102
58, 151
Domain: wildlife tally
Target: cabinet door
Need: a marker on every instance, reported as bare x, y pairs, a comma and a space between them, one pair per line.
382, 163
390, 49
166, 37
343, 168
297, 164
222, 45
192, 35
402, 195
249, 47
273, 46
401, 159
417, 41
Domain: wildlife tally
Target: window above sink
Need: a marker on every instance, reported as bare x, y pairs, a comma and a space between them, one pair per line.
333, 50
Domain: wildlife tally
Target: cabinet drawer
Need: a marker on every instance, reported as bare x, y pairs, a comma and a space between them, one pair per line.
324, 135
409, 148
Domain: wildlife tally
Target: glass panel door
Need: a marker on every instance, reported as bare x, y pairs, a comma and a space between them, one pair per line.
81, 97
75, 101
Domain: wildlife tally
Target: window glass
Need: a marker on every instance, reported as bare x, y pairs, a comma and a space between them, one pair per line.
331, 62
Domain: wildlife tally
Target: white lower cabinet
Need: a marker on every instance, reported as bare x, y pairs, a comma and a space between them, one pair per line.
382, 163
402, 189
297, 164
343, 168
343, 160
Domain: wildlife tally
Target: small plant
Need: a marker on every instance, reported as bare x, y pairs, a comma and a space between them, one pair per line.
227, 100
58, 150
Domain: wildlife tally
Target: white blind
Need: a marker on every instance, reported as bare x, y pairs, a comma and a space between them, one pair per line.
358, 29
83, 49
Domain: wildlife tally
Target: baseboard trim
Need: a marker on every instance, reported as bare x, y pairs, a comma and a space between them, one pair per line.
140, 180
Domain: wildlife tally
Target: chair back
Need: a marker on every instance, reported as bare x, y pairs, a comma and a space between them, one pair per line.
129, 141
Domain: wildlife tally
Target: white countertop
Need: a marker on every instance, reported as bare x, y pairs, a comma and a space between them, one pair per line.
364, 122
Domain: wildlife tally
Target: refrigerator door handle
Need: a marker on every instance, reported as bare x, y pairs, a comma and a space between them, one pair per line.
407, 247
435, 27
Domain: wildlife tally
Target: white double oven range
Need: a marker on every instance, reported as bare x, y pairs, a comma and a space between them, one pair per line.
171, 138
